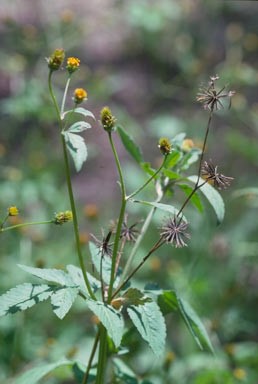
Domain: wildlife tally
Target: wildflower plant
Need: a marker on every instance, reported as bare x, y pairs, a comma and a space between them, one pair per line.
108, 290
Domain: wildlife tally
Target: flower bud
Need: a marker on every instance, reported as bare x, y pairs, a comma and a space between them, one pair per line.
63, 217
107, 119
79, 95
165, 146
13, 211
73, 64
56, 59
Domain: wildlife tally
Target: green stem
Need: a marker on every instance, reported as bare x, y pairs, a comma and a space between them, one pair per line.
65, 95
148, 181
26, 225
120, 219
86, 375
70, 191
75, 220
102, 355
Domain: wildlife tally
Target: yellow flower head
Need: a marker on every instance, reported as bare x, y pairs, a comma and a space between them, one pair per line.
63, 217
73, 64
187, 145
165, 146
79, 95
13, 211
107, 119
56, 59
239, 373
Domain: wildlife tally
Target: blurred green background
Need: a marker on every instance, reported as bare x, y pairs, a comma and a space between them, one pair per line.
146, 60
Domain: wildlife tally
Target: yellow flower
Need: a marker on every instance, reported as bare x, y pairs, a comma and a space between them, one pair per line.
187, 145
73, 64
63, 217
13, 211
239, 373
56, 59
79, 95
165, 146
107, 119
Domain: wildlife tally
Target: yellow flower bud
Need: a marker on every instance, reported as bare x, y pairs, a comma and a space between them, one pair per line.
79, 95
56, 59
107, 119
63, 217
13, 211
165, 146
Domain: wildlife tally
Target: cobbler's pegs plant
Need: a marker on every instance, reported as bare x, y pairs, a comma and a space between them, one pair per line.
108, 289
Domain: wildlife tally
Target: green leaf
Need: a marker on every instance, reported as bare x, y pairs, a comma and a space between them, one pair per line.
195, 199
110, 318
195, 325
81, 111
164, 207
62, 300
123, 373
77, 149
169, 301
172, 159
150, 323
189, 158
33, 375
170, 174
53, 275
79, 126
147, 168
212, 196
130, 145
77, 277
134, 296
24, 296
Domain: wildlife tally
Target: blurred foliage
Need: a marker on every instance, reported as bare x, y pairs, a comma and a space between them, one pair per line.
146, 60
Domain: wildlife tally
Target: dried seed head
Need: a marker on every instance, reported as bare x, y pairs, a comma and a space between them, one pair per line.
174, 232
210, 172
129, 233
211, 98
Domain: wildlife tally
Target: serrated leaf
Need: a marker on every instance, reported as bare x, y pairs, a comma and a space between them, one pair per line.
77, 149
194, 325
110, 318
33, 375
62, 300
77, 277
79, 126
81, 111
24, 296
150, 323
212, 196
164, 207
53, 275
134, 296
130, 145
195, 199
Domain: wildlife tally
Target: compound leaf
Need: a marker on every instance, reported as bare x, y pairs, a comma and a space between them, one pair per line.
62, 300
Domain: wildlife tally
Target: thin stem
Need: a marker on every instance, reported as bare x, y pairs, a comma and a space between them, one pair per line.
75, 220
70, 191
148, 181
102, 355
158, 244
93, 351
196, 187
26, 225
120, 219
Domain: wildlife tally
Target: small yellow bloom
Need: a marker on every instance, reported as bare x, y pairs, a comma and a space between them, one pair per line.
79, 95
56, 59
165, 146
63, 217
239, 373
73, 64
13, 211
107, 119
